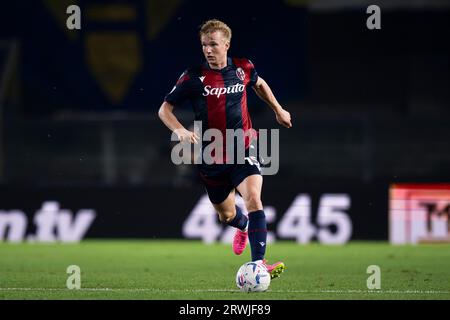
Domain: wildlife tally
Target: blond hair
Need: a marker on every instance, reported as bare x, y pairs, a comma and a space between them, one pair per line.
216, 25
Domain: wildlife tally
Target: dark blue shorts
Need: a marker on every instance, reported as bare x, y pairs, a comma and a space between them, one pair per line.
224, 178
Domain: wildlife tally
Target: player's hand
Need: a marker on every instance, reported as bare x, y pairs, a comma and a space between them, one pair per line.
186, 136
284, 118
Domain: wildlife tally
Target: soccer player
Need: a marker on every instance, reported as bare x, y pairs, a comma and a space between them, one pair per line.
217, 90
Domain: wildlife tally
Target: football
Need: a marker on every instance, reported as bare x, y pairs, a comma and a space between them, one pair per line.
253, 277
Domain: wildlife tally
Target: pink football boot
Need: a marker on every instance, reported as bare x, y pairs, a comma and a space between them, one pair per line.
239, 241
275, 269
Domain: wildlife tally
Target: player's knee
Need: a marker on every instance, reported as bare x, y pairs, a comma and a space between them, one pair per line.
253, 202
226, 216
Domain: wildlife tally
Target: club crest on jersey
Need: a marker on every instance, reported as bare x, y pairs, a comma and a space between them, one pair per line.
240, 74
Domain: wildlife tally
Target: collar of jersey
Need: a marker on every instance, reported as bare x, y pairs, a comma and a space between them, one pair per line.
229, 64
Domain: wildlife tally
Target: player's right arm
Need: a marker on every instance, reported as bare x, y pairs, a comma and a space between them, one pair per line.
167, 116
180, 93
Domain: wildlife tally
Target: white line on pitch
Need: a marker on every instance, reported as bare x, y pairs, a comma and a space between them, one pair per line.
225, 290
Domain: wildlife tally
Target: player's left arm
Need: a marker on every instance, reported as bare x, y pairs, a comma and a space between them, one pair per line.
264, 92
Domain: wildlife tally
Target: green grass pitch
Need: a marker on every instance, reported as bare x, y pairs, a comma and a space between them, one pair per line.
195, 271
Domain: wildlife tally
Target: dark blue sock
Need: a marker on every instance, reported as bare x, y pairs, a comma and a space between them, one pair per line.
239, 221
257, 234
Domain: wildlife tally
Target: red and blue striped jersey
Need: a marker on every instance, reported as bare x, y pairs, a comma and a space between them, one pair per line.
218, 97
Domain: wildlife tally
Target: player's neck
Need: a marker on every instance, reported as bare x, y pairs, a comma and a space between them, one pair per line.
220, 65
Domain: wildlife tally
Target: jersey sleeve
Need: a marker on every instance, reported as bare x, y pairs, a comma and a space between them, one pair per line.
181, 91
253, 74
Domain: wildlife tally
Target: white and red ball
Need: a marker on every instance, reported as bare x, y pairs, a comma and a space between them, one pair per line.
253, 277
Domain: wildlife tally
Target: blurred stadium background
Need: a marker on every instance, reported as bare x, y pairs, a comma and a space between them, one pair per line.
83, 154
